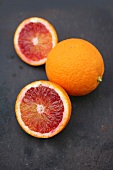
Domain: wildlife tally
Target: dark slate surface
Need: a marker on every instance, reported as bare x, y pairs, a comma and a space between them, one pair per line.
87, 141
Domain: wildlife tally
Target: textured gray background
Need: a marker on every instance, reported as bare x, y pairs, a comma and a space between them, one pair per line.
87, 141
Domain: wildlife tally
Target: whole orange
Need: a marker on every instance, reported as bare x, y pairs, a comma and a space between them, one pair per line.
76, 65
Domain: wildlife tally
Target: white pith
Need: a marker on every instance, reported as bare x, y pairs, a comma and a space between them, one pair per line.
35, 41
40, 108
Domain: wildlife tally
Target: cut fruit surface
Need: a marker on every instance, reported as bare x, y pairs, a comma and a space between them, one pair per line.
33, 40
43, 109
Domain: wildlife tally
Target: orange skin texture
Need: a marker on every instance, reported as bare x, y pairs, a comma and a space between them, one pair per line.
75, 64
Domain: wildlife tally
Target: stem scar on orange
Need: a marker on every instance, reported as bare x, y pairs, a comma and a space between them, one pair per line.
76, 65
43, 109
33, 40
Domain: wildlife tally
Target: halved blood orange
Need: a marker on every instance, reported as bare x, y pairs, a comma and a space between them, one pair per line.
33, 40
43, 109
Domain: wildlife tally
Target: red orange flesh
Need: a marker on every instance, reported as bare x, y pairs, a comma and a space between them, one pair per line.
33, 40
43, 109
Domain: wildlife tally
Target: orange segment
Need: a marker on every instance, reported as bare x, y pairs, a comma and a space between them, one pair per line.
33, 40
43, 109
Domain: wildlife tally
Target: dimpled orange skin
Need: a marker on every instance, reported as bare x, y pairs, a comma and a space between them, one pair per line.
76, 65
